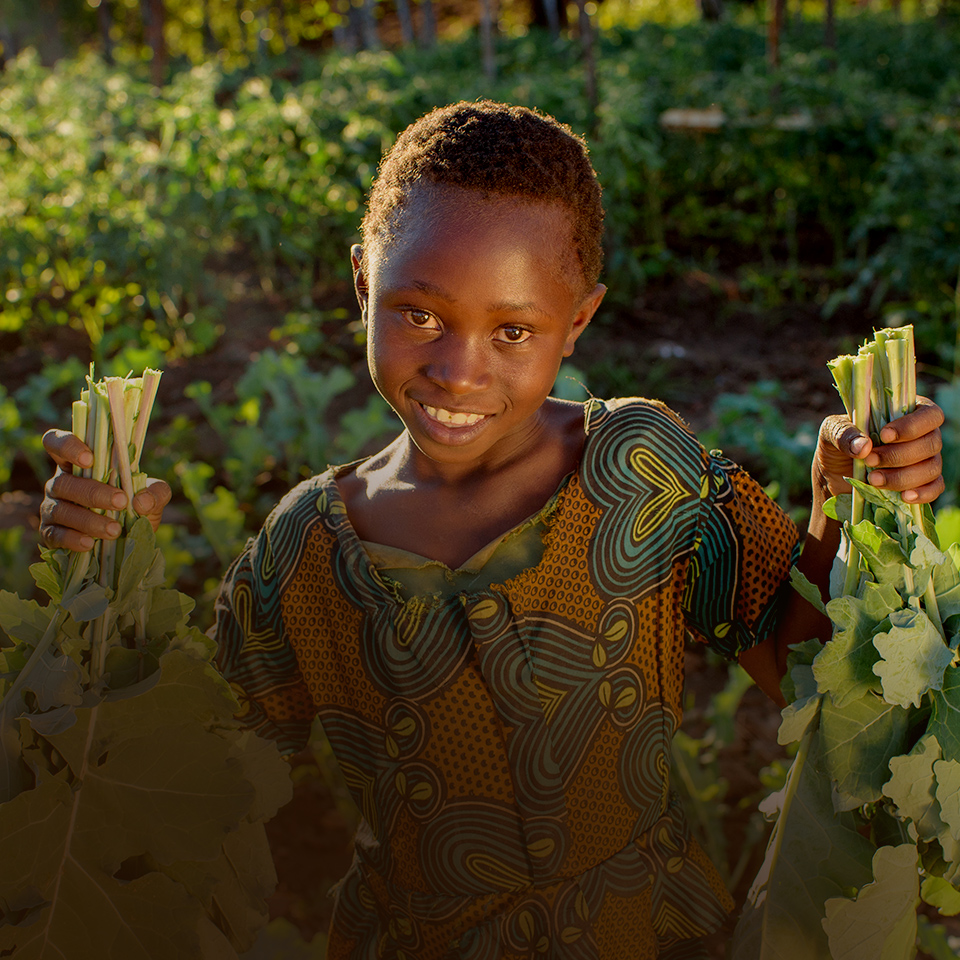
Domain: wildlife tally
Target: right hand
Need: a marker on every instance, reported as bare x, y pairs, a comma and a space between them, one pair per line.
67, 514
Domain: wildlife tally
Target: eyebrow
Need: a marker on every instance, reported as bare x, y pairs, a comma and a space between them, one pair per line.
501, 306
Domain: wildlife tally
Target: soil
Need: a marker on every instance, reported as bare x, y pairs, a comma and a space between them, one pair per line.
684, 341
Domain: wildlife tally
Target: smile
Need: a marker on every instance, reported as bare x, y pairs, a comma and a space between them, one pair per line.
450, 419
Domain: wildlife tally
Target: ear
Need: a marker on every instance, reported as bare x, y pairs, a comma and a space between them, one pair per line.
360, 284
584, 315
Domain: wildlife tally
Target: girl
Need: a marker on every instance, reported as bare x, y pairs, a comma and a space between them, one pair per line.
488, 616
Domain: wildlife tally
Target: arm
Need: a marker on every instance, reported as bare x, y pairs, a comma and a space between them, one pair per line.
907, 461
67, 514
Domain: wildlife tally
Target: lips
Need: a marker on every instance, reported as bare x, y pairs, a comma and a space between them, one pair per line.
450, 418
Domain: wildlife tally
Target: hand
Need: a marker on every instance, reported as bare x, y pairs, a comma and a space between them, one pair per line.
908, 460
67, 517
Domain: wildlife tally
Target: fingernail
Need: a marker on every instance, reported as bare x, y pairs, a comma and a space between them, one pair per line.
119, 500
114, 529
876, 479
857, 446
909, 495
85, 459
86, 543
888, 434
872, 461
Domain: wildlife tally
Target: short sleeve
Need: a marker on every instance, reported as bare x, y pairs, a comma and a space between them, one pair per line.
740, 567
253, 653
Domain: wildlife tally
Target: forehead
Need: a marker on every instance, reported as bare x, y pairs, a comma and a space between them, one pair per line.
451, 225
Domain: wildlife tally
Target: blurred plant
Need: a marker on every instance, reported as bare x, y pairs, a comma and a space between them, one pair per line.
277, 428
751, 426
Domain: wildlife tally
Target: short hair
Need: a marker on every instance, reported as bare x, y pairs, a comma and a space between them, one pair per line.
499, 149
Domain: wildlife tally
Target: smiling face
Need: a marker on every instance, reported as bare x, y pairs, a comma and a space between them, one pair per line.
470, 308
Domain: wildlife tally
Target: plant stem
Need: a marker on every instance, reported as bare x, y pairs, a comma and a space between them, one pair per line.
862, 382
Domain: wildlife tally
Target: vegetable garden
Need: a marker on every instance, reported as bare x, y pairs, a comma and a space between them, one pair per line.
760, 222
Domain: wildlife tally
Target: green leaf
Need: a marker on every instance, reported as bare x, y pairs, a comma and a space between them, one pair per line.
235, 885
914, 658
91, 602
807, 590
139, 556
24, 620
264, 767
189, 690
48, 580
932, 940
857, 743
912, 787
881, 923
925, 552
844, 666
796, 717
839, 507
48, 842
14, 775
160, 778
947, 774
940, 894
798, 655
889, 500
883, 554
55, 681
944, 721
167, 610
813, 855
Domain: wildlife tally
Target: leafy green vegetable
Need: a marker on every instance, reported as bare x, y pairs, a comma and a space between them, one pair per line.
131, 821
878, 711
881, 922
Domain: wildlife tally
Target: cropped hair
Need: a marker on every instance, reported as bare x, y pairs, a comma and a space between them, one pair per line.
497, 149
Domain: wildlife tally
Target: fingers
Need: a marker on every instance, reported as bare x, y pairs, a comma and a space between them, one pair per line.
838, 433
66, 449
907, 461
150, 502
84, 492
926, 418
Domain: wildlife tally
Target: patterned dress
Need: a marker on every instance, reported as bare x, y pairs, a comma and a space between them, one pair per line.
508, 745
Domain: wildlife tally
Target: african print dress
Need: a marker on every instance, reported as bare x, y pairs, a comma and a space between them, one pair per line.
509, 746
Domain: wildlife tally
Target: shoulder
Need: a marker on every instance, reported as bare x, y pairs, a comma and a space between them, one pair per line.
635, 444
640, 421
312, 506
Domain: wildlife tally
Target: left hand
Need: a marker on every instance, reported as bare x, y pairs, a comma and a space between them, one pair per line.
908, 459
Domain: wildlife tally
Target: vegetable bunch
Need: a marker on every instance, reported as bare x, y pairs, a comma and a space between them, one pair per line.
868, 821
131, 804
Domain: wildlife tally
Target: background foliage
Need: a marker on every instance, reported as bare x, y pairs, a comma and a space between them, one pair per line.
163, 220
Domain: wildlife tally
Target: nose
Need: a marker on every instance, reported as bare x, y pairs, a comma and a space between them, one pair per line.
459, 364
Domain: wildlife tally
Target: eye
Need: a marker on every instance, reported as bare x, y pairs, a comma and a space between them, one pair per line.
511, 333
421, 318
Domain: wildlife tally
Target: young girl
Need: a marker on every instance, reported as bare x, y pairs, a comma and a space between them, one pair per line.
488, 616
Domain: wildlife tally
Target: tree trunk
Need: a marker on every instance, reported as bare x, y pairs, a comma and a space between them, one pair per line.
428, 24
550, 14
153, 17
774, 29
487, 43
830, 26
105, 23
406, 22
711, 9
368, 25
589, 59
45, 30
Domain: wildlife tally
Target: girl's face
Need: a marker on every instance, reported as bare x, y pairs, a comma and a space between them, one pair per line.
470, 309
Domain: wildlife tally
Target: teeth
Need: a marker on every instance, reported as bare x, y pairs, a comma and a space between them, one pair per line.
453, 419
